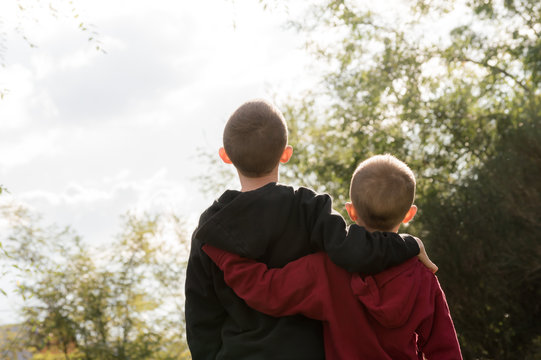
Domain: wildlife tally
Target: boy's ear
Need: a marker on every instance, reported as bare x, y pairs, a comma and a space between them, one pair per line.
223, 156
410, 214
286, 155
351, 211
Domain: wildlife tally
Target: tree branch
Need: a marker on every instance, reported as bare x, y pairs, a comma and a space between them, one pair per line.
499, 70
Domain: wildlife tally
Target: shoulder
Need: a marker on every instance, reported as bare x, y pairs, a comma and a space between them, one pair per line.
425, 272
310, 197
207, 214
304, 199
416, 267
226, 197
300, 193
307, 192
428, 280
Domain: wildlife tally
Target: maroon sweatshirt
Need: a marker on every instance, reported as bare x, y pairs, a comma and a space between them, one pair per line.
400, 313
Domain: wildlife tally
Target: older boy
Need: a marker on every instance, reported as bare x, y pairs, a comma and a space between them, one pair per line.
400, 313
274, 224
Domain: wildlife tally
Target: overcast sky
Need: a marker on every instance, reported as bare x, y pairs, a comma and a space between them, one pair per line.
86, 136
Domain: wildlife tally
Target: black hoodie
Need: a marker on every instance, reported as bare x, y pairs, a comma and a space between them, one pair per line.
274, 224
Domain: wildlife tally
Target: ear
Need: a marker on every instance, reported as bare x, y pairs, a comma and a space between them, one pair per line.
223, 156
410, 214
286, 155
351, 211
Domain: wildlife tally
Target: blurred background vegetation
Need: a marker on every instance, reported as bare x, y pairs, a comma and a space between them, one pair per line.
123, 300
453, 88
464, 111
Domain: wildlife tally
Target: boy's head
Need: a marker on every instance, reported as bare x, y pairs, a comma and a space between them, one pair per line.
382, 192
255, 137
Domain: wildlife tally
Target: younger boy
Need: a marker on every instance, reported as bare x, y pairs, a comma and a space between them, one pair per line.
400, 313
274, 224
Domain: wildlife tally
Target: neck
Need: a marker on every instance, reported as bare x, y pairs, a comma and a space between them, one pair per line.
249, 184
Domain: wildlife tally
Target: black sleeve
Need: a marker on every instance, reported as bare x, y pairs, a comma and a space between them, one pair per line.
203, 312
356, 249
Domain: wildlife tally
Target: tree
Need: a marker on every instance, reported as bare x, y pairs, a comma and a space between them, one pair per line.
463, 110
490, 263
440, 106
122, 302
4, 211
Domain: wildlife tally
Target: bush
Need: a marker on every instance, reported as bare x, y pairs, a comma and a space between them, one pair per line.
485, 238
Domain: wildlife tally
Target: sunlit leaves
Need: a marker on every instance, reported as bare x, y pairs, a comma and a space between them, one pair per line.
439, 106
463, 110
122, 301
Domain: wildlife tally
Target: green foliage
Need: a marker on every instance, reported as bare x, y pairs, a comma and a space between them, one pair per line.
485, 238
440, 106
463, 109
124, 301
10, 340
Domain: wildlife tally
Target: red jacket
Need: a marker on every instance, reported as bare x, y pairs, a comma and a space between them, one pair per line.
400, 313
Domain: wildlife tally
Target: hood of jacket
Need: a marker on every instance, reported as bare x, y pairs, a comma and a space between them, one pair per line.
390, 296
248, 222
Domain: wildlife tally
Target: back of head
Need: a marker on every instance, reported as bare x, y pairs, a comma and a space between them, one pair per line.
255, 137
382, 191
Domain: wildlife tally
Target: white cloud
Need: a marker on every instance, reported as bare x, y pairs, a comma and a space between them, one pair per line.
42, 65
28, 148
80, 58
94, 208
168, 82
86, 136
20, 84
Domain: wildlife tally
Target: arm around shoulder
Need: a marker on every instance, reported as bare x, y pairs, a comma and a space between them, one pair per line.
356, 250
276, 292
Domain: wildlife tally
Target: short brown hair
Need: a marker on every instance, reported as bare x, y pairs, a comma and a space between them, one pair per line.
255, 137
382, 191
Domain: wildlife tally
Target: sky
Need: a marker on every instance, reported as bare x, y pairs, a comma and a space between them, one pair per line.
86, 136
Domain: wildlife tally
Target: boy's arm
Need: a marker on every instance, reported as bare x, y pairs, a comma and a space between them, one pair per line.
204, 313
301, 287
356, 250
437, 336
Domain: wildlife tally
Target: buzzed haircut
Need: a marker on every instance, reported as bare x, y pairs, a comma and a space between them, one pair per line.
382, 191
255, 137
